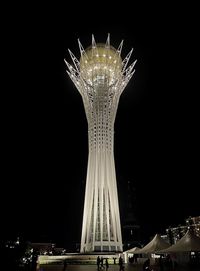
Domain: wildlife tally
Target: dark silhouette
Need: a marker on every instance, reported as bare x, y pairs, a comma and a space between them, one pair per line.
114, 259
101, 263
34, 260
135, 257
64, 265
98, 262
173, 261
121, 265
146, 265
169, 263
107, 265
161, 263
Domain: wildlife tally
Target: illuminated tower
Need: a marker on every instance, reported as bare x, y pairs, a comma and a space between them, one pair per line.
100, 76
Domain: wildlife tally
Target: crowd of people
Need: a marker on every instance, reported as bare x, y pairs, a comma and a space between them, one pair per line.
103, 263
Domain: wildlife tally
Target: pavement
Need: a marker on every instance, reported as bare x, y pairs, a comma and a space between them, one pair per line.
128, 267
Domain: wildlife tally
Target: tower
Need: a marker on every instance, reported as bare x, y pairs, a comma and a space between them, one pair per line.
100, 76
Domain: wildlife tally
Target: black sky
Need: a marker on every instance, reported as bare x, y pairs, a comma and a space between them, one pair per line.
44, 128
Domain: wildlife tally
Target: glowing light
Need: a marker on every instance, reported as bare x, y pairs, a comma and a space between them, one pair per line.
101, 64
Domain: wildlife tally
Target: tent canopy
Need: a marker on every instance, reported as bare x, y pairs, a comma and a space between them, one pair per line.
157, 243
132, 250
189, 242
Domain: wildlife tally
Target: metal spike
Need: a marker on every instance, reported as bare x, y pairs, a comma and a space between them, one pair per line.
75, 60
68, 73
93, 42
126, 80
94, 46
108, 41
131, 74
71, 68
130, 68
128, 77
120, 47
68, 65
82, 50
126, 60
75, 80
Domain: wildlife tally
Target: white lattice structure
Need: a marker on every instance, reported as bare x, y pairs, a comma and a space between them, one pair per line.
100, 76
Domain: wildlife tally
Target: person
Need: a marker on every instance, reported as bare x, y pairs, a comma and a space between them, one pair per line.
98, 262
64, 265
107, 265
34, 260
161, 263
173, 261
135, 256
101, 263
121, 266
169, 262
146, 265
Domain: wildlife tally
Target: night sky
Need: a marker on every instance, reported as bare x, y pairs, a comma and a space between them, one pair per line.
44, 145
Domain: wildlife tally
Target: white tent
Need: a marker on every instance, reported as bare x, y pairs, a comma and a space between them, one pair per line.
189, 242
156, 244
132, 250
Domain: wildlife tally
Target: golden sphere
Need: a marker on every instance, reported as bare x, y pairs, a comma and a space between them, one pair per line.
100, 65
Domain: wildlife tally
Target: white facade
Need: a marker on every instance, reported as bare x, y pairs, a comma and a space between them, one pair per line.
100, 76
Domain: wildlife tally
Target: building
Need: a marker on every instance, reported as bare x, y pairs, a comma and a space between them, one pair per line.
194, 223
176, 233
100, 76
43, 248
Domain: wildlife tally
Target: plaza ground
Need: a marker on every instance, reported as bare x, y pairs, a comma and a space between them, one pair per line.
128, 267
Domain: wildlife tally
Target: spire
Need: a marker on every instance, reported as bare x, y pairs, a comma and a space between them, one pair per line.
82, 50
75, 61
130, 68
126, 60
108, 41
120, 47
93, 42
71, 69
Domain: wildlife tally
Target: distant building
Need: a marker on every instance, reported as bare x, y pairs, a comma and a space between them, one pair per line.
176, 233
14, 243
165, 237
43, 248
194, 222
58, 251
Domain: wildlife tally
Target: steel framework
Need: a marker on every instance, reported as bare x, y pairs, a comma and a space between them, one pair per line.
100, 76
